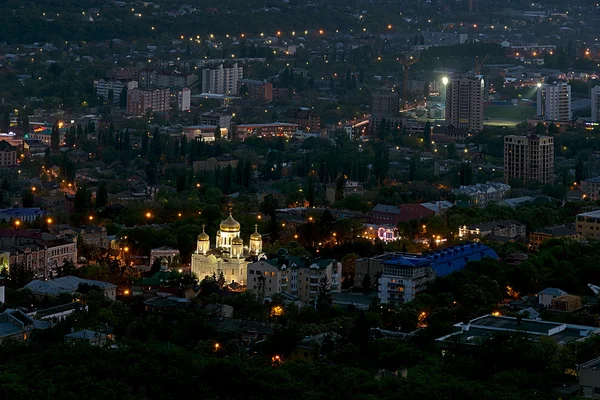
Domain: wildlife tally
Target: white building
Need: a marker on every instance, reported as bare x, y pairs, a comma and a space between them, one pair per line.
229, 257
184, 97
105, 87
596, 104
554, 101
222, 80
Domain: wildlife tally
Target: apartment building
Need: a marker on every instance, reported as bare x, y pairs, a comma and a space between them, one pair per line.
298, 276
407, 275
595, 104
175, 79
106, 88
591, 188
588, 224
257, 90
385, 108
482, 194
222, 80
8, 154
306, 118
123, 74
529, 158
184, 98
214, 118
464, 102
554, 101
141, 100
443, 38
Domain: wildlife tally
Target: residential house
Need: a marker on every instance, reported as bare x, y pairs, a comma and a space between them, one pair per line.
508, 229
482, 194
546, 296
555, 232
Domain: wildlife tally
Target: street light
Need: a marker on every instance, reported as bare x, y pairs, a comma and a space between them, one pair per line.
91, 218
49, 221
17, 223
445, 80
148, 215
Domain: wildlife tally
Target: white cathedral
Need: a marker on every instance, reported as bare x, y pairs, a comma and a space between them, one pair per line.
229, 256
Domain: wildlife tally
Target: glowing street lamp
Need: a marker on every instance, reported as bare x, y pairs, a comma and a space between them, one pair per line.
148, 215
17, 223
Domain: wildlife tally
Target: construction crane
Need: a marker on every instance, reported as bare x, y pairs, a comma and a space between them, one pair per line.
479, 65
406, 63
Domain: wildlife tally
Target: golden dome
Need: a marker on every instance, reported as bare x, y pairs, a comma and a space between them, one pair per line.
256, 235
237, 240
203, 236
230, 225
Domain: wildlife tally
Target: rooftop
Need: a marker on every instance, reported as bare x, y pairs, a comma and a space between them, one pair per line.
66, 284
445, 261
485, 327
386, 209
595, 214
557, 231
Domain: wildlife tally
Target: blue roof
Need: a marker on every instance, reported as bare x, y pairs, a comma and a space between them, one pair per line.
445, 261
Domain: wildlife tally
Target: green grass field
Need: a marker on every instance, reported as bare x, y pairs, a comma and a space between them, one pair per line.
513, 113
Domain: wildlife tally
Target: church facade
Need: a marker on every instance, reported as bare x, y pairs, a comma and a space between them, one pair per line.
229, 257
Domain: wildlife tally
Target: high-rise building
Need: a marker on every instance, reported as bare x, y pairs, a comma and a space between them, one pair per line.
464, 102
554, 101
222, 80
184, 97
141, 100
529, 158
386, 106
596, 104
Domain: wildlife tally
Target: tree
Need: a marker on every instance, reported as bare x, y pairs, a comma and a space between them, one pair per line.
55, 137
102, 195
218, 132
66, 269
540, 129
27, 199
324, 299
47, 157
221, 280
244, 91
366, 284
310, 192
145, 144
349, 267
123, 98
209, 285
427, 135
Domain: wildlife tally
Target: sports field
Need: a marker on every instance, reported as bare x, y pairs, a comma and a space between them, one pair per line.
515, 113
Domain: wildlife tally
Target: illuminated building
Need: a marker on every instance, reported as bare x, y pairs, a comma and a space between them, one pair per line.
554, 101
298, 276
230, 256
406, 275
596, 104
464, 102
